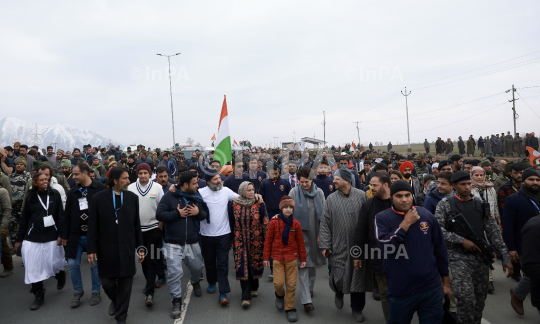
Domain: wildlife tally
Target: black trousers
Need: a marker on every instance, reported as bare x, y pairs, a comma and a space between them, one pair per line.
119, 292
152, 241
215, 250
38, 286
358, 300
249, 285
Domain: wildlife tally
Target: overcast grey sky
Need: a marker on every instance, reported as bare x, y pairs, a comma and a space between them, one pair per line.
93, 65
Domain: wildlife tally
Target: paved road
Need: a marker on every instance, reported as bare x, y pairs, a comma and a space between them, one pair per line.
15, 301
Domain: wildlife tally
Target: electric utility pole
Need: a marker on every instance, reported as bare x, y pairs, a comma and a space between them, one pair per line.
358, 130
513, 101
407, 110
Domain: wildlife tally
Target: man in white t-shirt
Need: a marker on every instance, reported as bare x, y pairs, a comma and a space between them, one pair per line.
216, 233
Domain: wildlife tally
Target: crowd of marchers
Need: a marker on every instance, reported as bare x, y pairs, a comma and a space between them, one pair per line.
442, 221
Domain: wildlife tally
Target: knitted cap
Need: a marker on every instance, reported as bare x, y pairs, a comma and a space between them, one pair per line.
508, 166
66, 163
529, 173
21, 160
142, 166
209, 174
286, 201
114, 163
485, 162
400, 185
36, 164
344, 174
526, 164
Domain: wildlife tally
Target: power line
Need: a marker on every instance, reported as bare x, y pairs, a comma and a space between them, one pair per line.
535, 60
435, 110
527, 104
515, 58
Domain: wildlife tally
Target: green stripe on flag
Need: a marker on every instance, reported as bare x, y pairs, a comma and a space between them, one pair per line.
223, 152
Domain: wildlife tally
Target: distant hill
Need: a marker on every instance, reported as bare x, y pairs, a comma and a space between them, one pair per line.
65, 136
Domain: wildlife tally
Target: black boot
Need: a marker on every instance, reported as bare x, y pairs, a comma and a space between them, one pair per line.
40, 299
61, 280
176, 308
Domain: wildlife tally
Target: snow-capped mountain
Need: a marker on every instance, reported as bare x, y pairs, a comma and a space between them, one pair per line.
65, 136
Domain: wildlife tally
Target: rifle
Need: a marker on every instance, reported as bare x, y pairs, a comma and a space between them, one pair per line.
459, 225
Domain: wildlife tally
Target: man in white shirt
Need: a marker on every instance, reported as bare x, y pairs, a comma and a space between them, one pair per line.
149, 194
216, 233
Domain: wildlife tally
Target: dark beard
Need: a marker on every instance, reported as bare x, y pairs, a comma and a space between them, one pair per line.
215, 187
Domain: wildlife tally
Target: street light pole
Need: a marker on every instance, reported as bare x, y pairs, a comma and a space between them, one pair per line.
170, 90
407, 110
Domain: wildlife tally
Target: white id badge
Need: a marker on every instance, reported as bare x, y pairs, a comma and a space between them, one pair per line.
83, 203
48, 221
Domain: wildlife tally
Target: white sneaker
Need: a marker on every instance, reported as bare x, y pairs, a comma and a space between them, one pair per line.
270, 276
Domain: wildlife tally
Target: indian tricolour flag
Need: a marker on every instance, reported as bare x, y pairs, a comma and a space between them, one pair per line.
352, 148
223, 138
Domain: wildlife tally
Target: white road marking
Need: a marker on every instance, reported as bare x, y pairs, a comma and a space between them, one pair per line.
484, 321
189, 290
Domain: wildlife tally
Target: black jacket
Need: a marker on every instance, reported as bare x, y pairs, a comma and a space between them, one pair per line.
114, 244
533, 142
530, 256
31, 227
132, 170
72, 217
365, 233
177, 229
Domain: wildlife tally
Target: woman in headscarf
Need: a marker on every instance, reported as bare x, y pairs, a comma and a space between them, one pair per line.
40, 237
485, 190
309, 202
250, 225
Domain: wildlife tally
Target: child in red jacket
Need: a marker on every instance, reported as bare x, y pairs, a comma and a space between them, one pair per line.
285, 244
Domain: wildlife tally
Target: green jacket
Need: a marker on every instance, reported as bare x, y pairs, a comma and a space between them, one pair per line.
5, 208
4, 183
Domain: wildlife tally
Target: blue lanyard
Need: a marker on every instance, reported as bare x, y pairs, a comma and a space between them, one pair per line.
535, 205
121, 203
83, 192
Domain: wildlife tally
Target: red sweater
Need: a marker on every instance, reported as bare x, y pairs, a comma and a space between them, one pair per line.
274, 247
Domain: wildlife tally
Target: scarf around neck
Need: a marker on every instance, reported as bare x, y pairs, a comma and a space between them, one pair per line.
288, 223
301, 205
242, 200
535, 196
481, 185
194, 197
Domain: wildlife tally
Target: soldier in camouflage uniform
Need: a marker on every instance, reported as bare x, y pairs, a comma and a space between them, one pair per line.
421, 168
469, 272
18, 180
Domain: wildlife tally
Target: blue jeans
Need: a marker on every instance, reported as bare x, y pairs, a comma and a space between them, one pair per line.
193, 259
75, 270
428, 305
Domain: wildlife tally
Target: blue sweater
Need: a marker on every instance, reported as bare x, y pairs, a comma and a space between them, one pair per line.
518, 209
415, 260
326, 183
232, 182
271, 192
432, 200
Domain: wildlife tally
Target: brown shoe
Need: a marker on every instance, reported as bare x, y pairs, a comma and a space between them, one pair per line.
517, 304
308, 307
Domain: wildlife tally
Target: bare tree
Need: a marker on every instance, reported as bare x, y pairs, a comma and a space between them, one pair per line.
190, 141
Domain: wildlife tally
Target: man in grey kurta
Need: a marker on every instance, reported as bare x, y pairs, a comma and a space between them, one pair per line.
338, 224
308, 211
